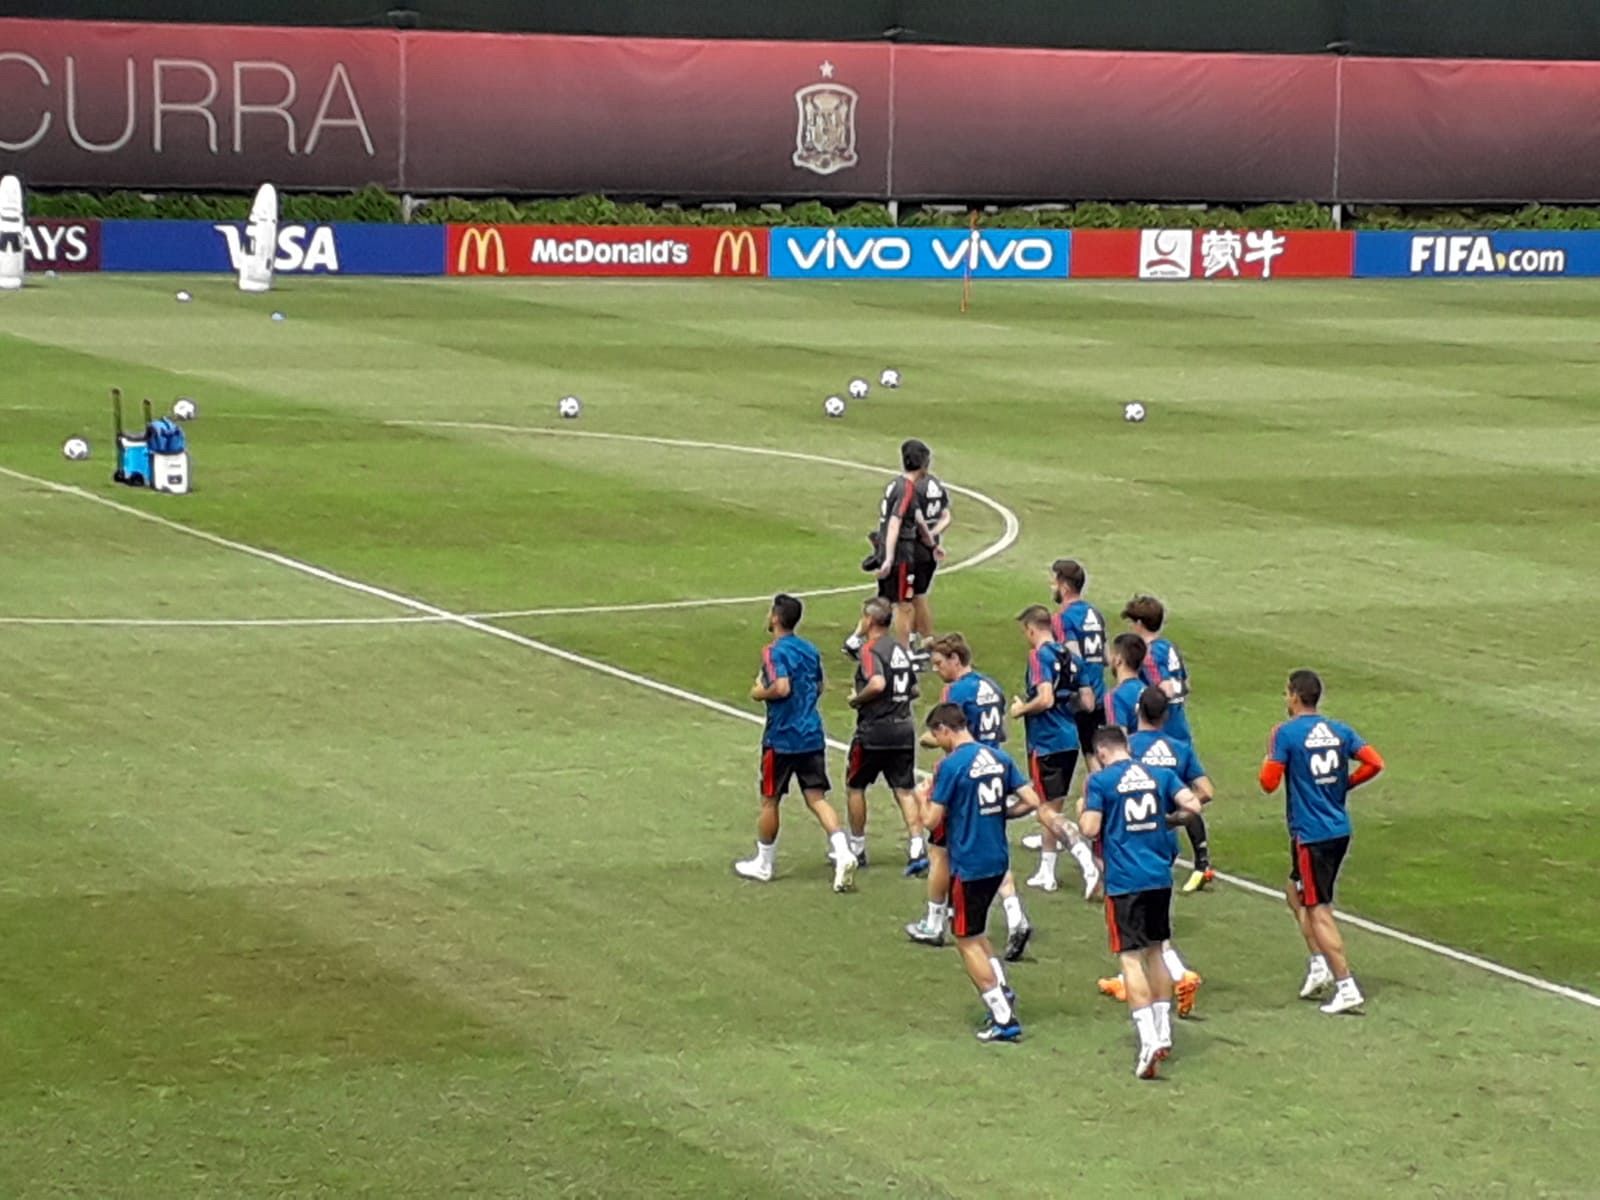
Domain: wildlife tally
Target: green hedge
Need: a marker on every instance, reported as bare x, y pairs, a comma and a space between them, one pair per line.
375, 204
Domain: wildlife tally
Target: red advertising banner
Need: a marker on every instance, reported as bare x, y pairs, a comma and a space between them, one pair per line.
638, 250
110, 104
1212, 254
86, 103
51, 244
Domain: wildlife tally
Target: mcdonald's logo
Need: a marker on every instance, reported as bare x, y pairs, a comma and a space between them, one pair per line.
736, 244
479, 240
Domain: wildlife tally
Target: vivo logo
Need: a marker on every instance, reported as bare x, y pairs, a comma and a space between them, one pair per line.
885, 253
975, 251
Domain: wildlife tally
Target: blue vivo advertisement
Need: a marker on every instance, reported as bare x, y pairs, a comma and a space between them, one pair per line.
919, 253
1509, 252
305, 249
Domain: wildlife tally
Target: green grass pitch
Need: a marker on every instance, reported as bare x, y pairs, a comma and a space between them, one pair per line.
409, 909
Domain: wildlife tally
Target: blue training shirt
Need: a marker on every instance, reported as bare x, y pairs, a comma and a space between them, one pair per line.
1122, 704
1155, 748
1053, 730
1315, 752
1133, 801
1083, 623
972, 783
984, 704
794, 725
1162, 662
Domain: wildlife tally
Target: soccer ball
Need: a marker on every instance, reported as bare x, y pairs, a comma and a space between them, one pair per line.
859, 389
76, 449
834, 406
183, 408
890, 378
570, 407
181, 297
1133, 411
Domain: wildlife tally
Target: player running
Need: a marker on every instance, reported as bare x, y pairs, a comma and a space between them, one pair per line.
1163, 665
967, 796
933, 519
1053, 685
885, 741
982, 702
1081, 627
903, 574
1313, 754
1152, 748
1127, 805
793, 745
1127, 666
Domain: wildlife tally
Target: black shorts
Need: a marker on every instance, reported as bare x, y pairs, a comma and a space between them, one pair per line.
1314, 868
1087, 723
1139, 920
923, 566
969, 902
1052, 773
896, 586
897, 765
778, 769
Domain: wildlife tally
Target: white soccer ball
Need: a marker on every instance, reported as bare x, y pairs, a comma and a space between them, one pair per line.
76, 449
277, 316
859, 389
1133, 411
834, 406
182, 297
183, 408
890, 378
570, 407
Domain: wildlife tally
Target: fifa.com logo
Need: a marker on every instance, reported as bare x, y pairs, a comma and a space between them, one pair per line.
1474, 254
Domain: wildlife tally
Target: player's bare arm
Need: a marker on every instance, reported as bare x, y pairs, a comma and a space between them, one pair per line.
777, 690
1044, 699
870, 691
891, 540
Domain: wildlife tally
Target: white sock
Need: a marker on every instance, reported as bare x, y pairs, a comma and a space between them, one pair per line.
1317, 965
1144, 1020
1015, 919
999, 1006
1347, 986
767, 852
857, 845
1175, 966
1163, 1015
1047, 863
936, 912
916, 848
999, 973
1081, 852
836, 839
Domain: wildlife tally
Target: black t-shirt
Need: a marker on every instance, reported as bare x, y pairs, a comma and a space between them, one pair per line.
885, 720
899, 499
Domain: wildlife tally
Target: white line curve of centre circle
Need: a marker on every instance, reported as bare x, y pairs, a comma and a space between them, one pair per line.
1008, 537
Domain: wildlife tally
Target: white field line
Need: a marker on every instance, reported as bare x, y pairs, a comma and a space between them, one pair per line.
677, 693
1008, 537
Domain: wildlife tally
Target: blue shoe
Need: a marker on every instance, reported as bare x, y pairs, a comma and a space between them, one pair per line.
917, 866
991, 1032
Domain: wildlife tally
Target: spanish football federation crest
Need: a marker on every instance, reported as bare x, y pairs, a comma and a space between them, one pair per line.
825, 136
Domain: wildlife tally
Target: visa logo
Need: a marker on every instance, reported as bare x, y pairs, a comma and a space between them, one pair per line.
299, 248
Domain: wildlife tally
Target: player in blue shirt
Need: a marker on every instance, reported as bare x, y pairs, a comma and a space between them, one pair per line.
1163, 665
1153, 748
1314, 754
1122, 695
1127, 806
793, 744
967, 797
983, 703
1054, 690
1081, 628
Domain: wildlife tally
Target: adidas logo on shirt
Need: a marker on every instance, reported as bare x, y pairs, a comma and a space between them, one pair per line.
1159, 755
983, 764
1321, 736
1135, 779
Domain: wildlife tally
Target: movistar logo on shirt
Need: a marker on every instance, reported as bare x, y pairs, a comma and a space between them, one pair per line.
1159, 755
1134, 779
1321, 736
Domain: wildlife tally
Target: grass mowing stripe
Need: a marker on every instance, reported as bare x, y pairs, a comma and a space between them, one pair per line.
707, 702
